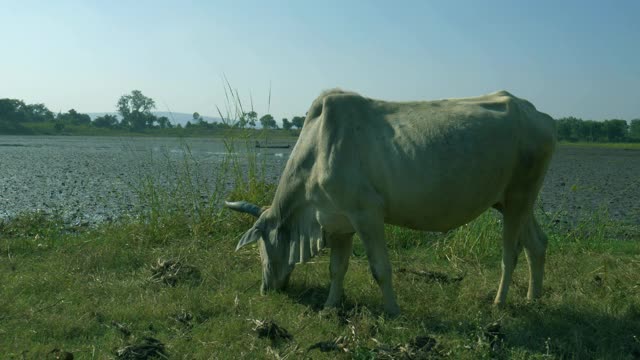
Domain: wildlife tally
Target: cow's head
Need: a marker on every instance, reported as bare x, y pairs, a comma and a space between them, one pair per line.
273, 245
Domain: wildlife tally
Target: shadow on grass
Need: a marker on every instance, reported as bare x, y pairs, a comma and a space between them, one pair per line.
311, 296
562, 332
314, 297
570, 332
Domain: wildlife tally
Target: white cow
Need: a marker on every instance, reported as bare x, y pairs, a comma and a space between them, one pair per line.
430, 165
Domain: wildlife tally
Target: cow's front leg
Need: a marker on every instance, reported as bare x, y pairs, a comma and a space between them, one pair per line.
341, 245
371, 231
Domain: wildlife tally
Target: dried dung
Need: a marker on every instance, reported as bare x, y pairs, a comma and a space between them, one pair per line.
149, 348
493, 333
172, 272
122, 328
271, 330
339, 345
57, 354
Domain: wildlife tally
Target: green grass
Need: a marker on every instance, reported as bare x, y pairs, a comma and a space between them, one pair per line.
47, 128
610, 145
91, 292
71, 292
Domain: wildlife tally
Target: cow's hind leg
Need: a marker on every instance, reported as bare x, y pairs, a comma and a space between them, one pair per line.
371, 231
535, 246
521, 230
514, 220
341, 245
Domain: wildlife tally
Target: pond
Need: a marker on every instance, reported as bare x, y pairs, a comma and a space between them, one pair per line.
95, 179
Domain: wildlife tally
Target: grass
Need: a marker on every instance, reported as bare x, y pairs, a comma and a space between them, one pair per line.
47, 128
93, 292
610, 145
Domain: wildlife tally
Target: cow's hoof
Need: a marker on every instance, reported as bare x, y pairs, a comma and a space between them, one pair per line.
328, 312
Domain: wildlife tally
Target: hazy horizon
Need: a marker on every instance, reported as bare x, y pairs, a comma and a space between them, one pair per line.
574, 58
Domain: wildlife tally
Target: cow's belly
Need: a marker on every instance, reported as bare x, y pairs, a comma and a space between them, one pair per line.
441, 198
438, 213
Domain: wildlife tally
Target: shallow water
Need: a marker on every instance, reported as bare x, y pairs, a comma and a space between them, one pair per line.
94, 179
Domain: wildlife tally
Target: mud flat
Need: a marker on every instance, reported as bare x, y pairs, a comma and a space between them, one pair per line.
88, 180
587, 182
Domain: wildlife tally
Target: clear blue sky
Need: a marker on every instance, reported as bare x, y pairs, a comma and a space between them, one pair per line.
577, 58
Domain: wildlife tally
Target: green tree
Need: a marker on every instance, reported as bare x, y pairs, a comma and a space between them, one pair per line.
286, 124
199, 120
106, 121
252, 117
164, 122
39, 113
17, 111
242, 121
268, 122
298, 121
72, 117
12, 110
634, 130
135, 110
58, 126
616, 129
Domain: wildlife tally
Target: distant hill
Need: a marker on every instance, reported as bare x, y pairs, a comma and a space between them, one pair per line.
175, 118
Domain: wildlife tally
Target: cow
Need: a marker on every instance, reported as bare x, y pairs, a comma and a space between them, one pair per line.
426, 165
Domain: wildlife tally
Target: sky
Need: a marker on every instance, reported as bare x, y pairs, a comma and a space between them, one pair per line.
569, 58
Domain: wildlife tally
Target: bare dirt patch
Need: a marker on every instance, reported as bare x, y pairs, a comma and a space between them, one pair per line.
585, 181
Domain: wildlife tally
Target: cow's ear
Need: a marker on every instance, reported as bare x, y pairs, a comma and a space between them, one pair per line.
252, 235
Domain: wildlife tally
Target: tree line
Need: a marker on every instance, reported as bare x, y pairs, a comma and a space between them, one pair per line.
614, 130
135, 114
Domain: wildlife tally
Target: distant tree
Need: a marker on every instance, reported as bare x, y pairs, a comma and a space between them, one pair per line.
106, 121
199, 120
298, 121
72, 117
135, 110
12, 110
268, 122
39, 113
616, 129
17, 111
286, 124
252, 117
242, 121
58, 126
570, 129
164, 122
597, 131
634, 130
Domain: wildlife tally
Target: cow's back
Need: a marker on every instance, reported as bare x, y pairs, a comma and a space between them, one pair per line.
429, 165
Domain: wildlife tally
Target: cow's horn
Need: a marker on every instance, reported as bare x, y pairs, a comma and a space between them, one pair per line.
245, 207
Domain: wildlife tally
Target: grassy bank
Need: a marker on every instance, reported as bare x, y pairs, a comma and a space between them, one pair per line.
610, 145
47, 128
94, 292
171, 274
